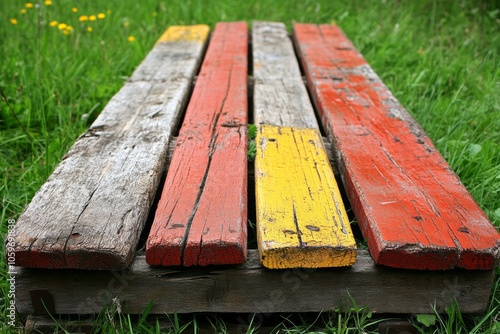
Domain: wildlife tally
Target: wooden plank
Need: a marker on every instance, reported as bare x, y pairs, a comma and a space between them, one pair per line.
411, 207
202, 213
91, 211
300, 215
301, 219
251, 288
166, 63
279, 93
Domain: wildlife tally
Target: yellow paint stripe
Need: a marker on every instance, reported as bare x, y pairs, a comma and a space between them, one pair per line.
301, 219
194, 33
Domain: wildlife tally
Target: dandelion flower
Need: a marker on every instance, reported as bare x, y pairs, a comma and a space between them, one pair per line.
83, 18
62, 26
131, 39
92, 18
28, 5
53, 23
48, 2
89, 29
101, 16
13, 21
23, 11
74, 10
65, 32
69, 28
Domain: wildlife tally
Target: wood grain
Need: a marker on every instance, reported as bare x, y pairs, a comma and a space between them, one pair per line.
251, 288
202, 213
411, 207
279, 92
301, 219
91, 211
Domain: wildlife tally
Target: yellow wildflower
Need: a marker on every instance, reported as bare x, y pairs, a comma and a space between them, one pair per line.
89, 29
74, 10
131, 38
101, 16
28, 5
13, 21
92, 18
53, 23
83, 18
66, 32
69, 28
62, 26
48, 2
23, 11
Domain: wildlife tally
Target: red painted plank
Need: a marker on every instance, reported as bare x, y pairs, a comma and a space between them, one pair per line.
202, 213
411, 207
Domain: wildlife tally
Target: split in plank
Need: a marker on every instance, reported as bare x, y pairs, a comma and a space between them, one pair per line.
91, 211
301, 219
201, 217
411, 207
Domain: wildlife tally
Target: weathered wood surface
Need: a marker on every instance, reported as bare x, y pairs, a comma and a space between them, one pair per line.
251, 288
91, 211
301, 219
411, 207
279, 93
201, 217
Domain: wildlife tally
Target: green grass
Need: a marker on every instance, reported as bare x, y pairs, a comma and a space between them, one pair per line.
439, 58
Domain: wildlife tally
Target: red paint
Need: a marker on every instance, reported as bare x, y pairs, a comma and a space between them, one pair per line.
201, 217
411, 207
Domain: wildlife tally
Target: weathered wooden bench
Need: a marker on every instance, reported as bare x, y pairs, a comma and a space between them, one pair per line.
88, 218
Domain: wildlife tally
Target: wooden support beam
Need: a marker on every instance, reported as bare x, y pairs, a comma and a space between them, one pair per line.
301, 219
201, 217
91, 211
411, 207
249, 287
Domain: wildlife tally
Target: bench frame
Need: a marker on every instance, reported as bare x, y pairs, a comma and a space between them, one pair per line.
250, 288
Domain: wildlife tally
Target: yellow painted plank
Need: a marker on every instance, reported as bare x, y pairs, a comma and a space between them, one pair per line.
301, 219
194, 33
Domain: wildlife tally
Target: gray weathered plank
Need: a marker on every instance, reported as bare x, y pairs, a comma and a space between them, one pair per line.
279, 91
251, 288
91, 211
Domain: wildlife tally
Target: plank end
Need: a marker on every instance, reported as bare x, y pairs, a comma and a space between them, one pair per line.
38, 259
163, 255
479, 259
308, 257
194, 33
215, 253
80, 259
415, 257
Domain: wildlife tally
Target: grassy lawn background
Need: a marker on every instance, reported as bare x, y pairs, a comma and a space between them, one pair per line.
439, 58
